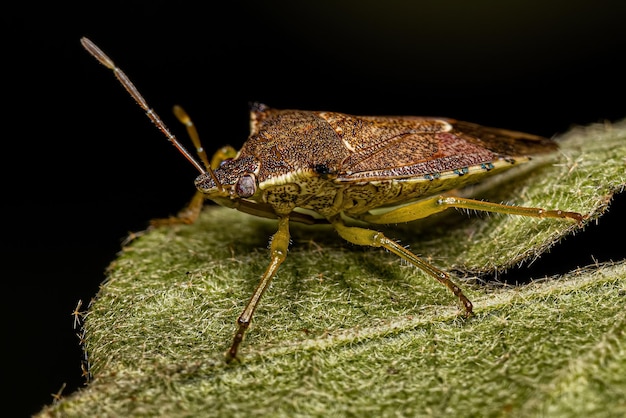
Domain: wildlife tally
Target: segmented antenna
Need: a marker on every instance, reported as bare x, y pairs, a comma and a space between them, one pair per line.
154, 117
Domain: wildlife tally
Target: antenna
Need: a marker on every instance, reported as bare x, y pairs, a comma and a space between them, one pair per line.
154, 117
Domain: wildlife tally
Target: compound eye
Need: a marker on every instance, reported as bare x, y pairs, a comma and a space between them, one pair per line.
246, 185
224, 161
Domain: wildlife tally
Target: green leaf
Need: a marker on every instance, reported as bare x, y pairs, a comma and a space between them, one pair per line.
351, 331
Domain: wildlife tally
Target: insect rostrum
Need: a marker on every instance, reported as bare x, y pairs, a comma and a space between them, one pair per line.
328, 167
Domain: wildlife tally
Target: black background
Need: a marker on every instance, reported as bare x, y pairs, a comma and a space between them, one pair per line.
82, 166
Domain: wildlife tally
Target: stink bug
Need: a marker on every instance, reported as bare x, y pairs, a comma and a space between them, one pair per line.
327, 167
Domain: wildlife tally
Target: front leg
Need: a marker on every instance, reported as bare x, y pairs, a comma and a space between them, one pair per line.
186, 215
278, 252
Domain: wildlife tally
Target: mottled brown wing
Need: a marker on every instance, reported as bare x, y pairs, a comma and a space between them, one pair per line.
423, 146
503, 141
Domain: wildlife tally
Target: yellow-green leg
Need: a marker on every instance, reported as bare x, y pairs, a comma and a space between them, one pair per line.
278, 253
186, 215
364, 236
191, 211
430, 206
222, 154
